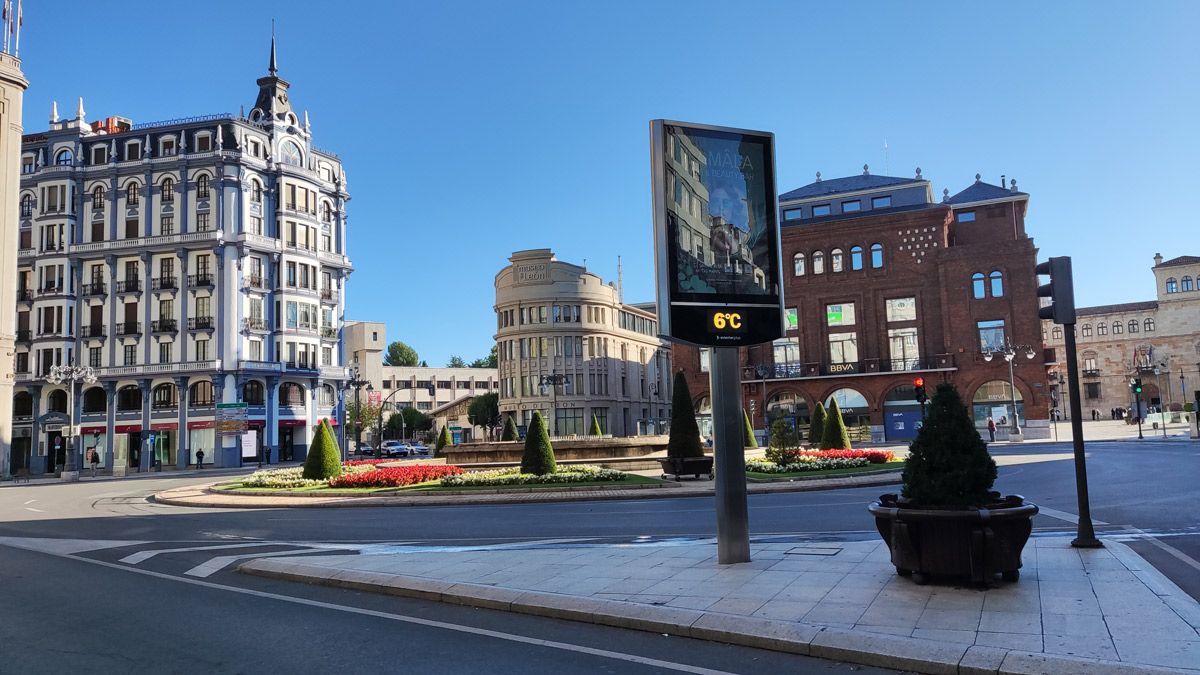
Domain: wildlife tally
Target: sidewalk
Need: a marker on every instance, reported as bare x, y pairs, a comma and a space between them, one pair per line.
85, 475
1073, 611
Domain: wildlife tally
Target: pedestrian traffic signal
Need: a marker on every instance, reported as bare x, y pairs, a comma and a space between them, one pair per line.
919, 390
1137, 385
1060, 290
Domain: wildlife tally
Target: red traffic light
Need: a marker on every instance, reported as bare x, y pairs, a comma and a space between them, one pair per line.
918, 382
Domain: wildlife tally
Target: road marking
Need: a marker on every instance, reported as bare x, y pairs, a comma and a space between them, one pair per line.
214, 565
65, 546
31, 501
443, 625
1170, 550
30, 508
142, 556
1063, 515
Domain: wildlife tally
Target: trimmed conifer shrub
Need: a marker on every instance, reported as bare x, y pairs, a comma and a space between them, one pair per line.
749, 440
324, 460
834, 436
782, 447
948, 463
510, 429
443, 440
816, 428
538, 458
596, 431
685, 433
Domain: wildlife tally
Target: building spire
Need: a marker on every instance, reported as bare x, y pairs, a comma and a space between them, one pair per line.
273, 69
53, 112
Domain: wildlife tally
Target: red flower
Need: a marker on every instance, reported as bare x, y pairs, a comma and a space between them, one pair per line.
872, 456
395, 476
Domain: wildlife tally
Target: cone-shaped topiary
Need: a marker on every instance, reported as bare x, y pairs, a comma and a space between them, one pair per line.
782, 435
596, 431
510, 430
539, 453
816, 428
685, 434
749, 440
443, 440
948, 463
324, 460
834, 436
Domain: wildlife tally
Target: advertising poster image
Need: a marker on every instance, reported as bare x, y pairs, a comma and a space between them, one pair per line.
719, 209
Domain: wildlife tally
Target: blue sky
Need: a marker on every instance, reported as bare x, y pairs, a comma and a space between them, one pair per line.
470, 130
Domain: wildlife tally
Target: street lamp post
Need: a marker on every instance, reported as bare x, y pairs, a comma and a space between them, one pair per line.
1009, 351
357, 382
553, 380
71, 375
1162, 414
752, 407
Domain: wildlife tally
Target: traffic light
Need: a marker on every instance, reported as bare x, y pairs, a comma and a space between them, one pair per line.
919, 390
1060, 290
1137, 385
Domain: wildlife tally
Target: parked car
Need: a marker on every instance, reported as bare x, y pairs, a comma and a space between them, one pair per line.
420, 449
395, 449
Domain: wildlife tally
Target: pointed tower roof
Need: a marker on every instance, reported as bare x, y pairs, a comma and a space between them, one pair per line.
273, 68
273, 102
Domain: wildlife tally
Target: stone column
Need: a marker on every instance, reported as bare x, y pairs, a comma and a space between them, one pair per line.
144, 463
183, 453
12, 91
110, 424
271, 431
36, 464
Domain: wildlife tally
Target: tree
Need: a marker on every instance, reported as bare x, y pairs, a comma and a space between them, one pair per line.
834, 436
489, 362
400, 354
415, 420
685, 433
782, 448
484, 411
365, 414
538, 457
324, 459
510, 429
749, 440
948, 463
443, 440
816, 428
596, 430
456, 362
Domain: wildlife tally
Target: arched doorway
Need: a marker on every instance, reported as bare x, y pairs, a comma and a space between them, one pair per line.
994, 399
901, 413
856, 414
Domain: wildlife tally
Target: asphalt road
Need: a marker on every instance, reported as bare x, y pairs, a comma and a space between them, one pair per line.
89, 608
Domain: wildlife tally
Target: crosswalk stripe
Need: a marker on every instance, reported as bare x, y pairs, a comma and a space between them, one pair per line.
142, 556
214, 565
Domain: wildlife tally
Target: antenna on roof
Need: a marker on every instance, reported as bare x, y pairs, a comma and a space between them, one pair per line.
887, 167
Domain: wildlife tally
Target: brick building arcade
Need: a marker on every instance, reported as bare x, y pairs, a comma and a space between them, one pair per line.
884, 284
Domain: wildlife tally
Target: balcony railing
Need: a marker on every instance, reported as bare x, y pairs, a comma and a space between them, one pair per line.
24, 295
329, 333
129, 286
255, 281
24, 335
797, 370
92, 331
95, 288
300, 365
164, 284
1091, 372
186, 366
267, 366
164, 326
50, 290
135, 242
202, 279
201, 323
328, 295
129, 328
255, 323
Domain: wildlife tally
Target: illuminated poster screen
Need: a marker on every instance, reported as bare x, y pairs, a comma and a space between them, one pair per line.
717, 234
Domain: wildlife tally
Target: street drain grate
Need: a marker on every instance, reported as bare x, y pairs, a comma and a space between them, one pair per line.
812, 550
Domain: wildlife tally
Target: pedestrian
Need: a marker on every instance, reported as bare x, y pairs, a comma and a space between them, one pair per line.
991, 425
94, 456
1095, 414
199, 459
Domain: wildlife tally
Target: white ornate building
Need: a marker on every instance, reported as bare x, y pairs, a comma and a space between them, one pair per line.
189, 262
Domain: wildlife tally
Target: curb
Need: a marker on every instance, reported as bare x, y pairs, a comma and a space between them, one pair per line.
860, 647
201, 496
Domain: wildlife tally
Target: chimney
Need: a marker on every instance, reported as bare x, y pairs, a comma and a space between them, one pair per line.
1158, 259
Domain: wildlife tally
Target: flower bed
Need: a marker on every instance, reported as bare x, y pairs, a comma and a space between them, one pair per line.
365, 462
394, 476
502, 477
294, 477
873, 456
807, 463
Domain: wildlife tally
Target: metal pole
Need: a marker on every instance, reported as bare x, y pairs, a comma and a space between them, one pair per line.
1012, 388
1085, 536
1138, 414
733, 528
357, 418
1162, 415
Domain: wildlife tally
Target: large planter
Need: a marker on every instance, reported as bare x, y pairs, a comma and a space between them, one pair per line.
686, 466
963, 543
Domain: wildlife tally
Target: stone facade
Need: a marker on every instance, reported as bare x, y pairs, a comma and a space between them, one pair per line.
1116, 343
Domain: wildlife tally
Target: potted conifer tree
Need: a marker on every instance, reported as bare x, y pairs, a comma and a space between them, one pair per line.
685, 455
947, 521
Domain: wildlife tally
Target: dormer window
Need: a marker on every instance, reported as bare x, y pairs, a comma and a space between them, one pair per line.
851, 206
64, 158
881, 202
28, 164
99, 154
166, 147
793, 214
203, 142
254, 148
965, 216
133, 151
820, 210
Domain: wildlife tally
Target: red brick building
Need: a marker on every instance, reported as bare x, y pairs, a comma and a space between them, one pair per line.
884, 284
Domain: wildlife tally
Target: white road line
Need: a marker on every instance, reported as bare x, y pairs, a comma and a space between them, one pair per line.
214, 565
1063, 515
142, 556
30, 508
1170, 550
31, 501
443, 625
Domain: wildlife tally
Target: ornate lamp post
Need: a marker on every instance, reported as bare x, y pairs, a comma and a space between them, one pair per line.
357, 382
1009, 351
553, 380
71, 374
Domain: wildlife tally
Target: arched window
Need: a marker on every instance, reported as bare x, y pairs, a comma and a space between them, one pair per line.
1187, 284
98, 197
1172, 286
57, 401
835, 260
202, 186
26, 206
291, 155
876, 256
326, 212
168, 190
252, 392
22, 404
1148, 324
997, 284
1118, 328
1101, 329
163, 396
978, 288
818, 261
327, 396
1056, 333
129, 398
131, 194
791, 408
797, 263
1087, 330
291, 393
94, 400
256, 192
1133, 326
200, 394
856, 260
64, 158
